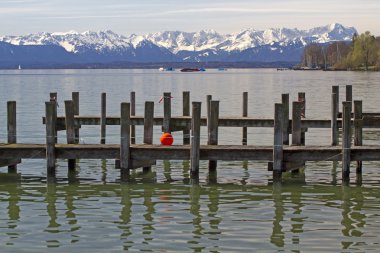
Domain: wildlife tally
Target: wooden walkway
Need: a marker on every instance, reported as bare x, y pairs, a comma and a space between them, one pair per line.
282, 155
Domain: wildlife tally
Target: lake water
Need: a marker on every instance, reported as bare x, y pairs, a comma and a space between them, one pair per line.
165, 211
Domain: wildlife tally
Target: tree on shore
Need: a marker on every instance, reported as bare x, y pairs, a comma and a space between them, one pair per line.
364, 51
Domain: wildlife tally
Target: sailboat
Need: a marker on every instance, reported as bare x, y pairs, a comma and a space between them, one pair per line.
19, 67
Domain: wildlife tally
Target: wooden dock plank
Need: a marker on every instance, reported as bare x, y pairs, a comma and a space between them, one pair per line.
182, 152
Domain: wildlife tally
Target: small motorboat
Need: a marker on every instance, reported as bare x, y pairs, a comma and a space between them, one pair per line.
192, 69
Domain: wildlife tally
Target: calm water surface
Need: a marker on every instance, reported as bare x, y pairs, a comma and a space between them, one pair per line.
164, 211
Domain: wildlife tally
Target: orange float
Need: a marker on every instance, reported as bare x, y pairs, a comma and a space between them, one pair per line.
166, 139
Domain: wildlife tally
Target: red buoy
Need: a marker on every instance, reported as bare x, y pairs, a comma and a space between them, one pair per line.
166, 139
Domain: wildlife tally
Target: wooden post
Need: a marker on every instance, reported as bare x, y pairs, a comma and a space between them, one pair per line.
335, 89
358, 121
103, 118
50, 108
212, 123
53, 98
167, 112
285, 107
334, 119
75, 99
349, 93
302, 99
195, 140
277, 142
296, 123
70, 129
125, 131
245, 114
208, 101
186, 112
133, 113
346, 141
148, 126
12, 131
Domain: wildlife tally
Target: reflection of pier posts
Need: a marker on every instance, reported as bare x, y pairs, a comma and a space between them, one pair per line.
277, 237
125, 216
148, 227
51, 199
195, 207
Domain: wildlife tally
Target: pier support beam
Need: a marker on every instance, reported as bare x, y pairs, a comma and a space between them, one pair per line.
358, 124
212, 123
285, 107
334, 119
346, 141
186, 112
125, 132
277, 143
167, 112
70, 129
12, 133
51, 112
195, 140
148, 127
245, 114
133, 113
75, 99
103, 118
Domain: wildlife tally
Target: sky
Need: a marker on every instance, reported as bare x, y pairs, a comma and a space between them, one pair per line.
20, 17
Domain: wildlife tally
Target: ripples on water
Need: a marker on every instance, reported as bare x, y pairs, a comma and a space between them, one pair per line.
165, 211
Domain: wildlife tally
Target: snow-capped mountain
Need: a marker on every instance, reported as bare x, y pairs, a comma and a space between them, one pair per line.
170, 46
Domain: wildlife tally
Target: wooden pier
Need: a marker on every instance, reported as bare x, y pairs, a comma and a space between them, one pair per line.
282, 156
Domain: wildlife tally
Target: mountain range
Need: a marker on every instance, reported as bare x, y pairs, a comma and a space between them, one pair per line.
106, 47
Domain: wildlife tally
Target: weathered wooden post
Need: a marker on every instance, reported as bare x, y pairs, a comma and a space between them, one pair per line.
186, 112
334, 119
346, 141
277, 142
208, 109
50, 111
125, 131
75, 99
302, 99
245, 114
167, 112
296, 123
285, 107
349, 93
195, 139
133, 113
212, 123
54, 99
148, 126
358, 124
103, 118
70, 129
12, 131
335, 89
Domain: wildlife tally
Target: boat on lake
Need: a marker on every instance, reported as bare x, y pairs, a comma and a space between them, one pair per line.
192, 69
166, 69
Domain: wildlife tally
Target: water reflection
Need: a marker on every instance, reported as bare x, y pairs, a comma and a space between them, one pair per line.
198, 217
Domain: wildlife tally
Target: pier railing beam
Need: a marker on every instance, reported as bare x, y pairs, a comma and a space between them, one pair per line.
70, 129
346, 141
186, 112
50, 110
212, 123
245, 114
125, 131
358, 124
277, 143
195, 140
